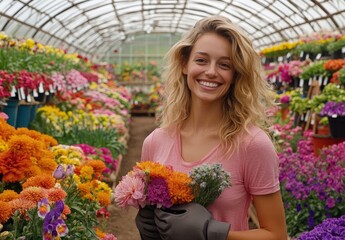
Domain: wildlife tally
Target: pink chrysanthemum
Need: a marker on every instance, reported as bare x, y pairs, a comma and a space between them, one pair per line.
131, 191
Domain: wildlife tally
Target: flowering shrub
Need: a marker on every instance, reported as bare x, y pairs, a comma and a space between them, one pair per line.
312, 187
331, 228
150, 183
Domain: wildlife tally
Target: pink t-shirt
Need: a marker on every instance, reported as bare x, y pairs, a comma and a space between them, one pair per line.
253, 170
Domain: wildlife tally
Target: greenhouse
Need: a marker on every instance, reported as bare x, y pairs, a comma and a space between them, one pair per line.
162, 119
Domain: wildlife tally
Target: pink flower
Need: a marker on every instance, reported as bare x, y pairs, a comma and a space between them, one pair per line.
131, 190
3, 115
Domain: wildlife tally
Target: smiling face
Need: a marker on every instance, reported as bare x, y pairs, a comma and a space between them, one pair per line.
209, 68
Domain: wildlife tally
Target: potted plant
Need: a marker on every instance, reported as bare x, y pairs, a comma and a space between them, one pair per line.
335, 111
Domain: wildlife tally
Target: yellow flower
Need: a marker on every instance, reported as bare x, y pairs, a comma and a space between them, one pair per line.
86, 172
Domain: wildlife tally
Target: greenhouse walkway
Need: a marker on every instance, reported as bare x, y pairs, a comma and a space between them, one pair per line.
121, 222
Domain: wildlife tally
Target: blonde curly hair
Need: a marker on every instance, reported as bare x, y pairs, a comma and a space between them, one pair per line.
249, 95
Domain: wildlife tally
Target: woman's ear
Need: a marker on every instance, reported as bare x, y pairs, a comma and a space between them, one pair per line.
185, 69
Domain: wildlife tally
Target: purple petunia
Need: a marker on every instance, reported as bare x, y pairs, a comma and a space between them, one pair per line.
329, 229
333, 109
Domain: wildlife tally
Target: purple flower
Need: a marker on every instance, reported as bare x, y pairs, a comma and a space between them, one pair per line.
329, 229
333, 109
59, 172
158, 193
53, 225
43, 208
69, 170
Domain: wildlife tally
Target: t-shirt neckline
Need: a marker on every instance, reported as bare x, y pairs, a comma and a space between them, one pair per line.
200, 161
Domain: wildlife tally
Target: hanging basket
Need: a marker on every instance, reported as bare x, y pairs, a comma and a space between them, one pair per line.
337, 126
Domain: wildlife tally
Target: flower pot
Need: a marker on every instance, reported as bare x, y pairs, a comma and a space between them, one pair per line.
321, 141
23, 117
33, 111
11, 109
337, 126
285, 113
323, 130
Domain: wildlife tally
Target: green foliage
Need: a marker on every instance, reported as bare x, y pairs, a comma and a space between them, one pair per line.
336, 45
313, 70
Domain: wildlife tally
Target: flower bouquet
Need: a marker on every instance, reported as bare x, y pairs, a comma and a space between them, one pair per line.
153, 184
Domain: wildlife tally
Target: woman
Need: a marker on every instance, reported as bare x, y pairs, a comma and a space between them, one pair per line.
214, 111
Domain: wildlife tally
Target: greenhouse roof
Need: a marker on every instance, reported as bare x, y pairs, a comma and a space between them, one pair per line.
100, 26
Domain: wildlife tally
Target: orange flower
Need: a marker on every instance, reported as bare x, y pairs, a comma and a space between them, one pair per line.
100, 234
47, 163
103, 199
5, 211
97, 165
46, 139
22, 205
25, 146
84, 188
45, 181
3, 145
33, 171
155, 169
8, 195
66, 210
13, 166
6, 130
56, 194
33, 194
178, 184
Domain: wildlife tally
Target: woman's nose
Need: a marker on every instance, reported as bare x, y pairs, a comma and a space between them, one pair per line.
211, 71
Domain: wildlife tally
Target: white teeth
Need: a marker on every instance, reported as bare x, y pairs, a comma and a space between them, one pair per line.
209, 84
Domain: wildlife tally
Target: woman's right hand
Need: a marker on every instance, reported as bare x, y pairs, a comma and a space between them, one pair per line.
146, 224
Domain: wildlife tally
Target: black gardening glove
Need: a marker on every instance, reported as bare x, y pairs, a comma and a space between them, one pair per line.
146, 224
189, 221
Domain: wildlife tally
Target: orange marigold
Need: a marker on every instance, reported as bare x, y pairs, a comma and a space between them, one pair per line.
24, 145
47, 164
56, 194
32, 171
22, 205
8, 195
3, 145
5, 211
155, 169
89, 196
33, 194
6, 130
13, 166
84, 188
46, 139
97, 165
178, 184
45, 181
103, 199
